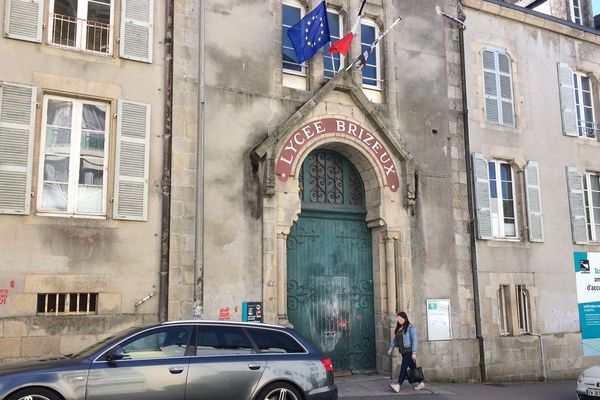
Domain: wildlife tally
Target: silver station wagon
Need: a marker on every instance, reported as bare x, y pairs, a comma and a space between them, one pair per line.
181, 360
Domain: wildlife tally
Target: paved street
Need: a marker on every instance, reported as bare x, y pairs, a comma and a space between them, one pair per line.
367, 387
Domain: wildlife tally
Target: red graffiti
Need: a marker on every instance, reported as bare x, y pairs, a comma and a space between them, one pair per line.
12, 284
3, 296
224, 314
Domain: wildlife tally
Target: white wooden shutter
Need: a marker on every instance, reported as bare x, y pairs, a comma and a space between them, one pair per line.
534, 202
492, 113
567, 100
482, 196
505, 84
577, 205
23, 20
17, 120
131, 171
136, 29
498, 88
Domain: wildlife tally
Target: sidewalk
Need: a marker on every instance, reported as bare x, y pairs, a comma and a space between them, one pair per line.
377, 386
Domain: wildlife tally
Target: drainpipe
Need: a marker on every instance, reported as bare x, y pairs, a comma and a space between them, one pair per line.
461, 39
539, 336
199, 230
163, 299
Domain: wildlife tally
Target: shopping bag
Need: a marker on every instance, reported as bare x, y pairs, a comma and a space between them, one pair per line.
415, 375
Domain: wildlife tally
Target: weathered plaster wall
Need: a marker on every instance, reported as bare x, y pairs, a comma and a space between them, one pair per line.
44, 254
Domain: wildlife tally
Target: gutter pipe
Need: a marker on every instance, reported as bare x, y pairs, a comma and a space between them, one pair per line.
163, 299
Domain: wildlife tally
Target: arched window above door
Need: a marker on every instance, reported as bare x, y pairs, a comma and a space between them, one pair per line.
328, 180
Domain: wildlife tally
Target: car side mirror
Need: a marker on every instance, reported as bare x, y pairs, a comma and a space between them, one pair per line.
116, 354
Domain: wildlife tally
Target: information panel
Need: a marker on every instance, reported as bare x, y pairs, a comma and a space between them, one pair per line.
252, 311
587, 278
438, 319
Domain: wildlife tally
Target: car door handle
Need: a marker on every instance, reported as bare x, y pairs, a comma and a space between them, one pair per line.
254, 367
176, 370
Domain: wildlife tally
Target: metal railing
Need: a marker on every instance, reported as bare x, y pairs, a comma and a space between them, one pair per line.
80, 33
588, 129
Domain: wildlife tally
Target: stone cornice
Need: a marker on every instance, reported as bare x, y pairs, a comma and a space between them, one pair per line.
534, 19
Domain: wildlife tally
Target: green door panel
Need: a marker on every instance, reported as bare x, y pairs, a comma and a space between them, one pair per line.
330, 286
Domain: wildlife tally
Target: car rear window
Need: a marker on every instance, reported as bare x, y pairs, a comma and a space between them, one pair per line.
272, 341
218, 340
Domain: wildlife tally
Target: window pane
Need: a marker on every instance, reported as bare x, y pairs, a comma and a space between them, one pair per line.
585, 83
64, 22
594, 182
291, 15
215, 340
509, 209
269, 341
58, 140
492, 175
55, 196
60, 113
166, 342
331, 62
367, 35
89, 200
369, 72
65, 7
56, 168
98, 27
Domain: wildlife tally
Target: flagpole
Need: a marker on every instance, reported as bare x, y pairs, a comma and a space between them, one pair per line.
376, 40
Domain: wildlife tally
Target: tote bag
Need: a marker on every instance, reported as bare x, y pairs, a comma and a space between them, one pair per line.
415, 375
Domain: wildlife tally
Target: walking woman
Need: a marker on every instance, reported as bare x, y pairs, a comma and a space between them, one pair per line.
405, 338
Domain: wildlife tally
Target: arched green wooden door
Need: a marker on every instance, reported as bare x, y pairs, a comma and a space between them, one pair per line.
330, 284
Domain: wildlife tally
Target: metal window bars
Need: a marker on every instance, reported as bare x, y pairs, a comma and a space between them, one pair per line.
588, 129
67, 303
76, 32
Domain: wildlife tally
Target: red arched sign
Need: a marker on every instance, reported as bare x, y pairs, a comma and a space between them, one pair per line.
312, 130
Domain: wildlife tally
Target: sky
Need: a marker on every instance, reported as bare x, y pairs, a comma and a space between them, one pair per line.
596, 6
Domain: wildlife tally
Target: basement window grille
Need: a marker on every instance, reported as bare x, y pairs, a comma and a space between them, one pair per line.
67, 303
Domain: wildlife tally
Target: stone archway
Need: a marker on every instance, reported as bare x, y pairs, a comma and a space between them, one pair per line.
387, 217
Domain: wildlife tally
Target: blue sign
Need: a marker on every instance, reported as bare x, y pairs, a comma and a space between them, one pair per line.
587, 273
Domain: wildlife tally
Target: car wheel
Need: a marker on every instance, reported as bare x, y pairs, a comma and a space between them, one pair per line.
279, 391
34, 394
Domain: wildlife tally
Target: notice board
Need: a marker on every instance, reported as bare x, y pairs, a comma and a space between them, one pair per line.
438, 319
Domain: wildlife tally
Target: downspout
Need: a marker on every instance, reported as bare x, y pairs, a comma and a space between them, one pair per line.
199, 230
163, 299
470, 191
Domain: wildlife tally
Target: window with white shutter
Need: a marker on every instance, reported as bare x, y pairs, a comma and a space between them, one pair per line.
534, 202
136, 29
23, 20
502, 199
498, 88
567, 100
131, 172
577, 205
17, 120
82, 24
73, 157
591, 187
482, 196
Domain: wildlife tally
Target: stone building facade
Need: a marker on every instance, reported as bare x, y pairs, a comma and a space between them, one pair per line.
81, 139
265, 123
324, 200
531, 142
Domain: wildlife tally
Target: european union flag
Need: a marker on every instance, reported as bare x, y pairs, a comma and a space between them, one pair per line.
310, 33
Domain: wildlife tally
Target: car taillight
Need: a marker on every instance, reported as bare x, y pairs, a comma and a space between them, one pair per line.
327, 364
